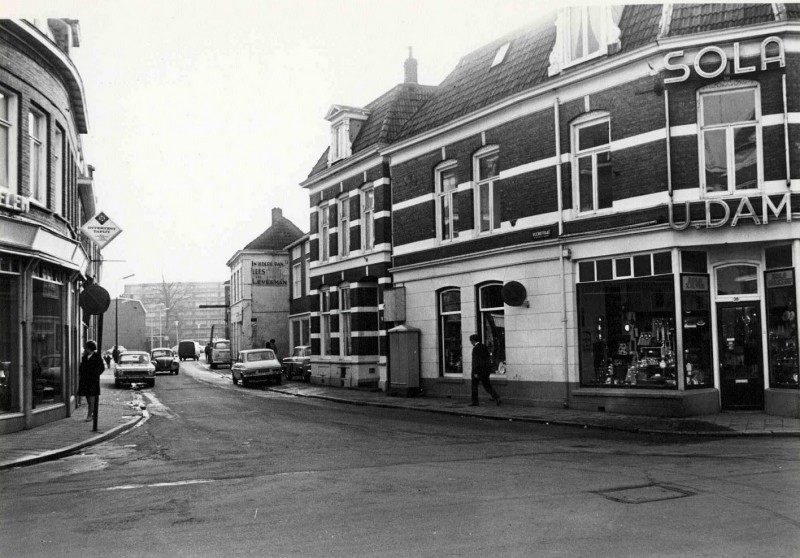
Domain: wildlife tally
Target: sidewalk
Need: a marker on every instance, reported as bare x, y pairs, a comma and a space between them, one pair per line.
119, 411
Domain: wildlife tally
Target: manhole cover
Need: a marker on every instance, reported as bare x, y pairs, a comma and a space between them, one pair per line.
643, 494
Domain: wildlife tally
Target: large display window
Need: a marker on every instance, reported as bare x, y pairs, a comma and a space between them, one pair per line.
47, 342
782, 328
696, 306
627, 328
450, 331
9, 341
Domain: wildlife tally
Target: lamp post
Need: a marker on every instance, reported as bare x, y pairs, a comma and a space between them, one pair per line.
116, 316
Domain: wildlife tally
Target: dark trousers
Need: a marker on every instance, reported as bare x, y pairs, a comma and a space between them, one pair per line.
487, 385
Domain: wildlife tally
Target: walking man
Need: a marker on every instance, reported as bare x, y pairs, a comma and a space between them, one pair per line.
481, 370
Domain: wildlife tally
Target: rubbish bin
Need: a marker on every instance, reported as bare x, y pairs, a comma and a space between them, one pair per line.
404, 365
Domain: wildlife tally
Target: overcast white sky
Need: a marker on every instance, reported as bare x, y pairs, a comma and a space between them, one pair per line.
204, 115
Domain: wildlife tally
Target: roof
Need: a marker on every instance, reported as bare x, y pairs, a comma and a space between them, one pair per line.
277, 236
387, 115
475, 84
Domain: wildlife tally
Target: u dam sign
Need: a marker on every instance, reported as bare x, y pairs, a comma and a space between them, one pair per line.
101, 229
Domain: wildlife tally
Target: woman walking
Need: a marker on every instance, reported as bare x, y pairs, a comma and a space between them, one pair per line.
89, 375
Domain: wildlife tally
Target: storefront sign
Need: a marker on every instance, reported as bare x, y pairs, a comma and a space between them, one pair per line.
101, 229
268, 273
717, 56
694, 283
780, 279
744, 210
15, 202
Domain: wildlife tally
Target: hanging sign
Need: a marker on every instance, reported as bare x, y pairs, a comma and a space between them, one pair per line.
101, 229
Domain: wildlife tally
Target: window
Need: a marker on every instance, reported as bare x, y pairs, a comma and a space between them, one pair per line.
297, 280
8, 141
38, 163
583, 33
487, 169
450, 331
340, 141
591, 167
781, 302
446, 183
585, 30
344, 226
368, 218
324, 232
58, 163
325, 322
491, 325
345, 328
307, 267
730, 138
47, 348
500, 55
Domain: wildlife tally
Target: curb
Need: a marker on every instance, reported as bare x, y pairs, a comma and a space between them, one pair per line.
67, 450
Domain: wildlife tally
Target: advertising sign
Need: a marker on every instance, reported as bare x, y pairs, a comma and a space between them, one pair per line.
269, 273
101, 229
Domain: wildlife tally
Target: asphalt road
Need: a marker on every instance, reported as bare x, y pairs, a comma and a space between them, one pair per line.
220, 470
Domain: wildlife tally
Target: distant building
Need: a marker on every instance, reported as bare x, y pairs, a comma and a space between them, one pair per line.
130, 329
259, 305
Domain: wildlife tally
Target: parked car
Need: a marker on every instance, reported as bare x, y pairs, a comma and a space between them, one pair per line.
134, 367
165, 360
256, 366
188, 349
220, 353
298, 364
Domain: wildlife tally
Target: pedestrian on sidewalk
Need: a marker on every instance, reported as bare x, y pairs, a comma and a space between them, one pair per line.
89, 375
481, 370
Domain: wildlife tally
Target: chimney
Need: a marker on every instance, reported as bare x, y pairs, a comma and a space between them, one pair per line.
277, 214
410, 67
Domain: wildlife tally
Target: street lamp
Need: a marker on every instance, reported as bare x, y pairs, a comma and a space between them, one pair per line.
116, 316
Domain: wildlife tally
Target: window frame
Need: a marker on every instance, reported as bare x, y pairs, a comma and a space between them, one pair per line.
324, 232
441, 196
579, 124
297, 279
600, 31
344, 226
499, 366
345, 321
8, 167
367, 218
485, 153
325, 321
441, 318
58, 170
37, 144
723, 88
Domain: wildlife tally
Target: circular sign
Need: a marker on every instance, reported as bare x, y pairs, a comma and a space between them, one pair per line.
514, 293
94, 300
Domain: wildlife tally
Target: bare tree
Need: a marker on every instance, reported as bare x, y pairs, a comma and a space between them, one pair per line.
173, 297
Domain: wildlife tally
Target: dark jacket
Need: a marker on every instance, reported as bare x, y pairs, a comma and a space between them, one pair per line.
89, 374
481, 360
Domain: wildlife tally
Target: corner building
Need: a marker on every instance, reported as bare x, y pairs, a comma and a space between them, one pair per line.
609, 199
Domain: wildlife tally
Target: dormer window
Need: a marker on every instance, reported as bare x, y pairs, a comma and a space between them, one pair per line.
346, 123
584, 33
500, 55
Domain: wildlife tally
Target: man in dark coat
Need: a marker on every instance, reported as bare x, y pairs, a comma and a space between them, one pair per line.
115, 354
89, 375
481, 370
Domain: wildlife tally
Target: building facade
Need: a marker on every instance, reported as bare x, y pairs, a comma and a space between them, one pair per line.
300, 299
608, 199
46, 194
350, 237
125, 323
260, 288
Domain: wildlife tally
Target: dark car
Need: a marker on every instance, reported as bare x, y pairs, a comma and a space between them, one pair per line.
298, 364
187, 350
165, 360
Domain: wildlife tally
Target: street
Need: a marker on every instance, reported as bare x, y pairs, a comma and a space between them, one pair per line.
221, 470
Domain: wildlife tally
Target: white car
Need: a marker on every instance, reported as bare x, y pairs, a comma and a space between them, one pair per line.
220, 353
256, 366
134, 367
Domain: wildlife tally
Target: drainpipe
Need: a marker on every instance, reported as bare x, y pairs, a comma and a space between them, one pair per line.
562, 251
559, 194
669, 146
786, 134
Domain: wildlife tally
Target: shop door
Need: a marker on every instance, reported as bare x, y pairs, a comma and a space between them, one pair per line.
740, 356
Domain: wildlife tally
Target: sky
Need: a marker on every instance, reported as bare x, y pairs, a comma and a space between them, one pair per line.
205, 115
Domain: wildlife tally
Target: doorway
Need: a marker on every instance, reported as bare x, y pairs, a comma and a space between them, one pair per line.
741, 363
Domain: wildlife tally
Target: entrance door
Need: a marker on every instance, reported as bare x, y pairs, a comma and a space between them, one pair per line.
740, 355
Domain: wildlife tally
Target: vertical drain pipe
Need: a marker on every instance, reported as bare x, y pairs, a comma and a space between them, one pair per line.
786, 136
561, 249
668, 146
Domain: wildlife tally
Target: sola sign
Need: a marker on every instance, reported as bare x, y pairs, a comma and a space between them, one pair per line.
100, 229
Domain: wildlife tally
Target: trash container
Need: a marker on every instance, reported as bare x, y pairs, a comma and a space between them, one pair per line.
404, 365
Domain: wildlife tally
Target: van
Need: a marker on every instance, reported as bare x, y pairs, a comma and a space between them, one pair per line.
187, 350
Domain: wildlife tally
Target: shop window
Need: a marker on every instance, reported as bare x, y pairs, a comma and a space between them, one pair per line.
643, 265
696, 306
345, 325
605, 270
8, 141
693, 261
37, 134
368, 218
46, 342
344, 226
491, 324
447, 210
627, 333
9, 340
737, 280
487, 171
450, 331
730, 137
592, 176
782, 327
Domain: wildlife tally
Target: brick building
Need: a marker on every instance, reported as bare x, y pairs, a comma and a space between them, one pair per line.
46, 194
606, 198
300, 299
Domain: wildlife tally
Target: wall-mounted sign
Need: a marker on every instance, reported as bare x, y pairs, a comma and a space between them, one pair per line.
269, 273
14, 202
780, 279
744, 210
101, 229
694, 283
712, 61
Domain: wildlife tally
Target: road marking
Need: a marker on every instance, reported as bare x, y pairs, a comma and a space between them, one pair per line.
158, 484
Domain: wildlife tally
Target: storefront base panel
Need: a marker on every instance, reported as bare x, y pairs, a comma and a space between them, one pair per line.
14, 422
647, 403
345, 374
782, 402
532, 394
